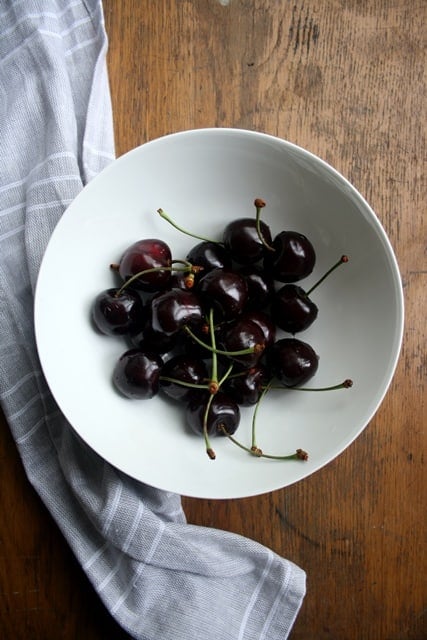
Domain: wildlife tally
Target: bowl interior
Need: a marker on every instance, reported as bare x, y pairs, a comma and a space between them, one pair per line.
203, 179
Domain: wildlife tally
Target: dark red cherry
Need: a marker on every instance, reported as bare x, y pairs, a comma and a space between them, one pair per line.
224, 290
136, 374
292, 310
147, 339
243, 334
115, 313
223, 412
209, 255
264, 321
173, 309
242, 240
245, 387
149, 253
260, 286
186, 370
292, 361
293, 257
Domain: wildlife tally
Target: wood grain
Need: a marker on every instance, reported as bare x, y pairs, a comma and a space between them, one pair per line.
346, 80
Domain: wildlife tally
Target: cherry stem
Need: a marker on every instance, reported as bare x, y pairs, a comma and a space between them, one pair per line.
241, 352
189, 267
226, 375
214, 370
165, 216
300, 454
260, 204
342, 260
183, 383
211, 453
265, 390
342, 385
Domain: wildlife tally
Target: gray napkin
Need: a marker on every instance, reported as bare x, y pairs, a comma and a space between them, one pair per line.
161, 578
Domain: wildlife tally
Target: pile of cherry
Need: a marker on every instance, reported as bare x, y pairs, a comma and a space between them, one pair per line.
202, 330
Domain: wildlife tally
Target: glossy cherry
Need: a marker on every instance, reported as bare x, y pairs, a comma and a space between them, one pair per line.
209, 255
265, 323
293, 257
144, 255
148, 339
116, 312
242, 240
292, 361
173, 309
223, 412
224, 290
245, 387
240, 335
292, 310
179, 373
260, 286
136, 374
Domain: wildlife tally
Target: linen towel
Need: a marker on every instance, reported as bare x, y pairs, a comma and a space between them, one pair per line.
161, 578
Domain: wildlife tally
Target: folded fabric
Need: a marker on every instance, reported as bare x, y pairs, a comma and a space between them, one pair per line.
161, 578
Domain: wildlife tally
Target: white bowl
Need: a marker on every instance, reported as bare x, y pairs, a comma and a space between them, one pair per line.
203, 179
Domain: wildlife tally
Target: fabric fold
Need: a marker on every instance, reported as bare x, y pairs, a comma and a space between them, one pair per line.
160, 577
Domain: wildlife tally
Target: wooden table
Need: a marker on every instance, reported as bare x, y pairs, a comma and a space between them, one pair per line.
346, 80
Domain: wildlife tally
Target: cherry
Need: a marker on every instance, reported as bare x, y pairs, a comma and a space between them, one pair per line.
225, 290
241, 238
209, 255
292, 310
242, 334
292, 361
148, 339
116, 312
265, 322
136, 374
293, 257
260, 286
245, 387
173, 309
180, 373
144, 255
222, 412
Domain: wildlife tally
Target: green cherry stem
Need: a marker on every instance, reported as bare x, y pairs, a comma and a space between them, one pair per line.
226, 375
211, 453
265, 390
183, 383
214, 370
342, 260
242, 352
166, 217
300, 454
260, 204
189, 267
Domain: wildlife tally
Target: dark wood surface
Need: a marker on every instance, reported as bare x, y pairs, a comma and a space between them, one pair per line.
346, 80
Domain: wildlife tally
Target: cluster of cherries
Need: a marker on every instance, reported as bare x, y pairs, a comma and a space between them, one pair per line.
202, 330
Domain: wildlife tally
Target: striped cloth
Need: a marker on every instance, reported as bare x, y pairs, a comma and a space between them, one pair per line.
161, 578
